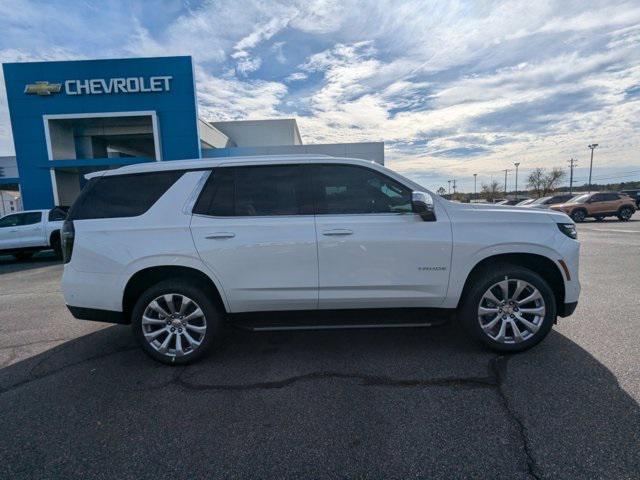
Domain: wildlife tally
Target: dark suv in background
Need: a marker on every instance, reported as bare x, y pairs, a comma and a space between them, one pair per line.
635, 196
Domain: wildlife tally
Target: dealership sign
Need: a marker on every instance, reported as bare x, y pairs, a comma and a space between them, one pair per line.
100, 86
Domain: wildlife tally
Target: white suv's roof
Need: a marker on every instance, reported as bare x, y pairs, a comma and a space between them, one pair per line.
220, 161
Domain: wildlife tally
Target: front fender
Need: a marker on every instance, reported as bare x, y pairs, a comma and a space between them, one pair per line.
465, 261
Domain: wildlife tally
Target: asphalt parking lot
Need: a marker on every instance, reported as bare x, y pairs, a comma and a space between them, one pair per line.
79, 399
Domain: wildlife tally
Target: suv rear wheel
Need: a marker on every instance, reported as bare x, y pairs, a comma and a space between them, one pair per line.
625, 213
175, 322
509, 308
579, 215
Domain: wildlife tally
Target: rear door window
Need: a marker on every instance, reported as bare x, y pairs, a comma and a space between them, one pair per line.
122, 195
30, 218
254, 191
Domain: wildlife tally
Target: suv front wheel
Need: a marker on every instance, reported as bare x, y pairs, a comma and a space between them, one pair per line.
579, 215
509, 308
175, 322
625, 213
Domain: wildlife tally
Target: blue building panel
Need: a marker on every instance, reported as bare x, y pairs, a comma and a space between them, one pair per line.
163, 85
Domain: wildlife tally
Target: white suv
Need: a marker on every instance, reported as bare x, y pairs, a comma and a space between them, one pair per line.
175, 248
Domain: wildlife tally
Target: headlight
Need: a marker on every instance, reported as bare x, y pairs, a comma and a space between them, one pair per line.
569, 229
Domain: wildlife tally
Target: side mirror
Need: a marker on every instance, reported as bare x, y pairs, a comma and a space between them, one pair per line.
422, 204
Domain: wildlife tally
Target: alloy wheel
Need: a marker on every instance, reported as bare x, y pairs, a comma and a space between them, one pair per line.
625, 214
174, 325
578, 216
511, 311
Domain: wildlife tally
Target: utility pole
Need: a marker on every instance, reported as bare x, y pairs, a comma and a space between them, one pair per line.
517, 164
454, 186
475, 190
592, 147
506, 170
572, 164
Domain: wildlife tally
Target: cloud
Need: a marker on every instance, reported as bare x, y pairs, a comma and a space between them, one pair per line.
452, 87
295, 77
233, 99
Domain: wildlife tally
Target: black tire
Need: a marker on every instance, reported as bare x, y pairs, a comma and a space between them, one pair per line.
625, 213
56, 245
599, 218
578, 215
23, 255
198, 294
481, 282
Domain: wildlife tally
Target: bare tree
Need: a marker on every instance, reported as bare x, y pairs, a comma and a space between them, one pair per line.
441, 191
535, 181
553, 179
543, 182
491, 191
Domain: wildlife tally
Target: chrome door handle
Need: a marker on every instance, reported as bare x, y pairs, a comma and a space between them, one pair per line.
218, 235
337, 231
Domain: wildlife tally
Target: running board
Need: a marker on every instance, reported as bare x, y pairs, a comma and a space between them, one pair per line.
338, 320
288, 328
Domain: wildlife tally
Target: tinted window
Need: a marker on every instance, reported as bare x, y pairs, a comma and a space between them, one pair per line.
9, 221
610, 196
217, 196
30, 218
345, 189
558, 199
254, 191
122, 195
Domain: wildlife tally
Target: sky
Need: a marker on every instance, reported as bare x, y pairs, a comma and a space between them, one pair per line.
453, 88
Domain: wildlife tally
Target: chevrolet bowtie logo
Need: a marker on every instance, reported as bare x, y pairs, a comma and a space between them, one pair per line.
42, 88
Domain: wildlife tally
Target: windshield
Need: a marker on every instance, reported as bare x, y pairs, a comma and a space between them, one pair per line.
525, 202
540, 200
579, 199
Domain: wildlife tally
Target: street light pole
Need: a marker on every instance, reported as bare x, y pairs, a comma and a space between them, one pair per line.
572, 164
517, 164
592, 147
506, 170
475, 190
449, 182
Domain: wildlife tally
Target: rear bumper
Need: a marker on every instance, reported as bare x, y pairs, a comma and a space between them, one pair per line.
567, 309
97, 315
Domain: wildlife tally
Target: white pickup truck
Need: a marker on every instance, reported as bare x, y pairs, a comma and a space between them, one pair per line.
25, 233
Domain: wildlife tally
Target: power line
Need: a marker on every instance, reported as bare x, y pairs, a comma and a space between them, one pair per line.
608, 178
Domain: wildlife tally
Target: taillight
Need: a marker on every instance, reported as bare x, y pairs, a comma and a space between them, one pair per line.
67, 235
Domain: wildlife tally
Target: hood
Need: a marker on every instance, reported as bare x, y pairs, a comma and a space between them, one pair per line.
504, 213
562, 206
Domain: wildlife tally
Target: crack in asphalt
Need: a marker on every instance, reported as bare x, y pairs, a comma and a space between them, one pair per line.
497, 371
498, 366
366, 380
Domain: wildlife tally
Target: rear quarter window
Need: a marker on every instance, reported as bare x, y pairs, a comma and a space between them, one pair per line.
117, 196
